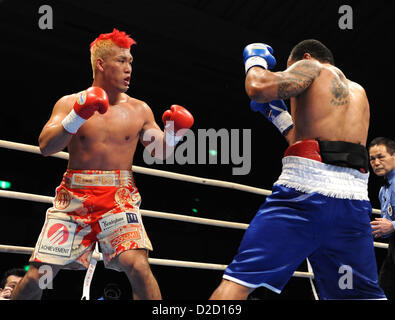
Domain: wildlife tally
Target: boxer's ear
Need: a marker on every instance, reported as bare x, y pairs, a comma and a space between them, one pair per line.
99, 64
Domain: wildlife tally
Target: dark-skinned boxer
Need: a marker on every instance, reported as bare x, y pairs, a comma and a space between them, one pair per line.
319, 208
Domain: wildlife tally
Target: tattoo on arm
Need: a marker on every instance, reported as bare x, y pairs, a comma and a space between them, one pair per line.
297, 78
339, 90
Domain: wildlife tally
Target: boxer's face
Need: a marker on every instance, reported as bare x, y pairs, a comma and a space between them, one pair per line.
10, 285
117, 68
381, 160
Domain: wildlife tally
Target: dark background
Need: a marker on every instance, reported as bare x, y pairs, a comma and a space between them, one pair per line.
188, 52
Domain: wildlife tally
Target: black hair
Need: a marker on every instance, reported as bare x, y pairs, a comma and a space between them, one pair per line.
315, 48
19, 272
387, 142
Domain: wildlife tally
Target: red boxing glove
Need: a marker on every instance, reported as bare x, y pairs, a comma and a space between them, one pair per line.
88, 101
181, 119
91, 100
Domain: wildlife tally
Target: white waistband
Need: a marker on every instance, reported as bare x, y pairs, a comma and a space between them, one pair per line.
310, 176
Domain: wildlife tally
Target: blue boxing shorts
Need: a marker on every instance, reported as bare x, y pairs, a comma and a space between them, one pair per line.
317, 211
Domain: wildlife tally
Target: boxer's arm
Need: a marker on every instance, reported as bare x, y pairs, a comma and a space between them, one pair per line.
53, 137
290, 136
176, 121
151, 135
264, 86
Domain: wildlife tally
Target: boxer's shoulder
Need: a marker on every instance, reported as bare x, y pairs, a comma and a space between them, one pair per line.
132, 102
66, 102
306, 67
138, 107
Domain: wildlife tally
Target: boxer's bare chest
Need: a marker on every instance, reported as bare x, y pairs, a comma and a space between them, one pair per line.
120, 124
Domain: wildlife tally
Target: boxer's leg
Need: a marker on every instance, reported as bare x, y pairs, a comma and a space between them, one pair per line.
136, 267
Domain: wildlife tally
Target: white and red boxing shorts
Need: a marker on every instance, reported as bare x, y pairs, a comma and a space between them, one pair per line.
92, 206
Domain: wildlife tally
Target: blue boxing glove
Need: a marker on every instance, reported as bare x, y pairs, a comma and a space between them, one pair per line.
276, 112
258, 54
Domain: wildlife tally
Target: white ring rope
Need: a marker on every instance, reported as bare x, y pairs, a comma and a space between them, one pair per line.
148, 171
153, 172
150, 213
155, 261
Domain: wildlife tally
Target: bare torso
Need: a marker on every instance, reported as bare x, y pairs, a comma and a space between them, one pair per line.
324, 104
333, 108
108, 141
105, 141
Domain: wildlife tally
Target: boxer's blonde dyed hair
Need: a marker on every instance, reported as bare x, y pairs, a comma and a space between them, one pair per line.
102, 46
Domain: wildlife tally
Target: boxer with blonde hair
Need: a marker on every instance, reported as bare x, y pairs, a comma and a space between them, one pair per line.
97, 200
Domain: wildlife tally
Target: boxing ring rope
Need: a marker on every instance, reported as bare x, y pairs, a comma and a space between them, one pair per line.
148, 213
148, 171
97, 256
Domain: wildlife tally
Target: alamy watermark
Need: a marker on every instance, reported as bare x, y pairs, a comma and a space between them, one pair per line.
235, 148
346, 280
46, 19
346, 20
46, 277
